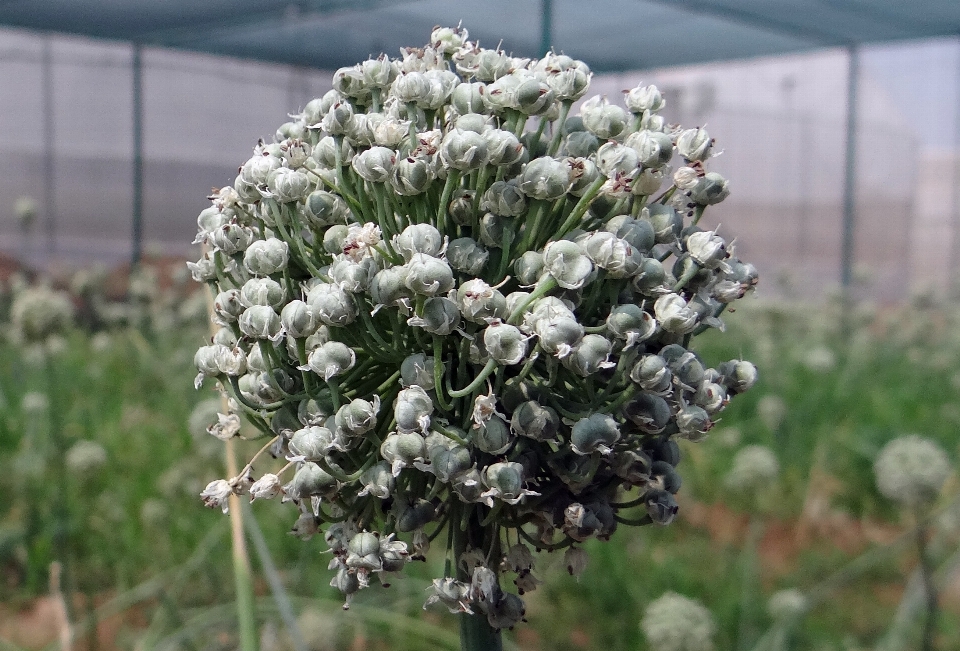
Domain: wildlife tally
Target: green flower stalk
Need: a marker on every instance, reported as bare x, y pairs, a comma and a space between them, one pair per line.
456, 330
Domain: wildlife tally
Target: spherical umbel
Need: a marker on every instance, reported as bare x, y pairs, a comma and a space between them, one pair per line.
449, 302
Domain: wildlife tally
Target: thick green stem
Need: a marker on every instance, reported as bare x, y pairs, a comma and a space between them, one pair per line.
476, 634
61, 509
929, 589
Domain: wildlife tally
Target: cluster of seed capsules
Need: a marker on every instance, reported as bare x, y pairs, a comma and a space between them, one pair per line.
459, 310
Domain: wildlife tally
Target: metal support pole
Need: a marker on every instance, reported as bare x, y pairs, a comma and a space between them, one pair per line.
137, 230
953, 264
850, 171
546, 26
49, 146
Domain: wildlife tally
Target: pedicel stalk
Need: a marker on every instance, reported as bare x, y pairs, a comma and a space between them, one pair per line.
464, 318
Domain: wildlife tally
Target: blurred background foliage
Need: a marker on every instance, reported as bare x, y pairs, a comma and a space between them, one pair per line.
103, 448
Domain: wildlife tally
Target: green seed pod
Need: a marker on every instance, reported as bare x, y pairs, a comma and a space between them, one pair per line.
262, 291
614, 158
417, 369
609, 252
528, 268
391, 132
565, 261
311, 412
535, 421
581, 144
706, 248
631, 323
442, 82
644, 98
260, 322
449, 463
256, 170
569, 81
440, 316
403, 450
313, 443
412, 409
310, 480
379, 72
468, 486
331, 304
227, 306
504, 198
463, 150
231, 360
467, 256
695, 144
363, 552
503, 148
545, 178
378, 480
665, 220
336, 122
266, 257
461, 207
661, 506
633, 467
231, 238
738, 375
534, 97
331, 359
203, 270
410, 86
334, 238
652, 374
375, 164
350, 82
649, 412
710, 189
412, 176
352, 276
287, 185
674, 315
590, 356
428, 276
324, 209
325, 153
504, 480
491, 230
468, 98
419, 238
602, 119
416, 516
650, 278
493, 436
358, 417
388, 286
654, 147
226, 337
711, 396
558, 335
595, 433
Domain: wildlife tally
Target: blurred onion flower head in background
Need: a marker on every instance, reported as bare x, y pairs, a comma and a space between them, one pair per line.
86, 457
911, 470
754, 469
38, 313
447, 301
676, 623
785, 605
